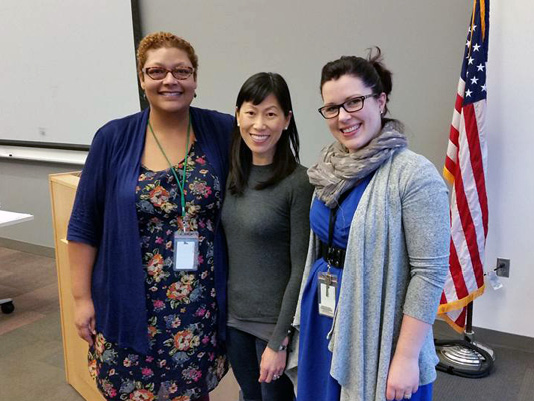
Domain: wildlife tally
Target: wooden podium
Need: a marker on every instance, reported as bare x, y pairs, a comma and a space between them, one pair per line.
63, 190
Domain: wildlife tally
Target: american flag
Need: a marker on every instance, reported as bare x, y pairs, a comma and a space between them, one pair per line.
465, 168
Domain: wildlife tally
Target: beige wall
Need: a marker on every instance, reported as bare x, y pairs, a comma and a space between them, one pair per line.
510, 186
422, 42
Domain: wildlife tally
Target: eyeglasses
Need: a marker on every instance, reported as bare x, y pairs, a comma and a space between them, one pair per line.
159, 73
350, 106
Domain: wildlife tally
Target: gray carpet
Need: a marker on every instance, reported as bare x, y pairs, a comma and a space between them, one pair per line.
512, 378
31, 363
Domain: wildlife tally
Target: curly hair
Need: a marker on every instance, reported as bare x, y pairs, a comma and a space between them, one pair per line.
158, 40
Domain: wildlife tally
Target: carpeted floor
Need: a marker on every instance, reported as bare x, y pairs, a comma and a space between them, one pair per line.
31, 355
31, 352
512, 378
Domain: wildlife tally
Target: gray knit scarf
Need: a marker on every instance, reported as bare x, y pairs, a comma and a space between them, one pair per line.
338, 170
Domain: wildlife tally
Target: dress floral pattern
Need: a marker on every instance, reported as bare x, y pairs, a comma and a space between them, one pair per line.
185, 361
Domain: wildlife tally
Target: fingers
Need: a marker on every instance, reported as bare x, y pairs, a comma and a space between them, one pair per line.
86, 334
407, 393
268, 375
272, 365
87, 330
392, 393
92, 325
398, 394
265, 376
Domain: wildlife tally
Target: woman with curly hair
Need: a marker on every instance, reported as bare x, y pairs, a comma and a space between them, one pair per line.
147, 255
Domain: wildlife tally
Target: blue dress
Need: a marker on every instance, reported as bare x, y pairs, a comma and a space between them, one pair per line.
314, 380
184, 355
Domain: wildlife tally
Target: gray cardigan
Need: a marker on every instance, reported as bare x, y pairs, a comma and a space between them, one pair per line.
396, 262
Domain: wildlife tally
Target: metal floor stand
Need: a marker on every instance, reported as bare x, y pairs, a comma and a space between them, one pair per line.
467, 357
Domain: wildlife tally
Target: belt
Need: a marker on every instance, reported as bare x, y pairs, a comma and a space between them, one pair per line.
333, 255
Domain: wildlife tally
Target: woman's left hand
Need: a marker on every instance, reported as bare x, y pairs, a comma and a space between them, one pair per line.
403, 378
272, 365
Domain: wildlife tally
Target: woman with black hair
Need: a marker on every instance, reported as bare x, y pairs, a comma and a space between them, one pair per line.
265, 218
378, 253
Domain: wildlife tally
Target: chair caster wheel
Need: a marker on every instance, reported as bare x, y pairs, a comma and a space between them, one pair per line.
8, 307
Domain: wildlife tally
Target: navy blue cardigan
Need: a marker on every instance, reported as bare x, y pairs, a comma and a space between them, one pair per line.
104, 216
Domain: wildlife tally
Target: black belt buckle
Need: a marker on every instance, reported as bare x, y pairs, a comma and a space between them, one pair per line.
333, 255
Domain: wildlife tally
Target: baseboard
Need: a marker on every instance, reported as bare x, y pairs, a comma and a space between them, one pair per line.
27, 247
493, 338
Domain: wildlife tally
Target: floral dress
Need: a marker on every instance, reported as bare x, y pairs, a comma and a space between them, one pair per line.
184, 361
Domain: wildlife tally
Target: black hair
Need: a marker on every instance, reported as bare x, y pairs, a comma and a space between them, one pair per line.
286, 156
371, 71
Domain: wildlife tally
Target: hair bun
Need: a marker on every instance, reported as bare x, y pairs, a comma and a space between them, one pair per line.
375, 58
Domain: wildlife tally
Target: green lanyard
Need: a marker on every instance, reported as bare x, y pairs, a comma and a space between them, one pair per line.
182, 184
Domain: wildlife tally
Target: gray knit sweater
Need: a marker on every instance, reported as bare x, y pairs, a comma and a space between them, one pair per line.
267, 234
396, 263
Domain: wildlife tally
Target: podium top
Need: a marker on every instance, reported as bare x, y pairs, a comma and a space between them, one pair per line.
69, 179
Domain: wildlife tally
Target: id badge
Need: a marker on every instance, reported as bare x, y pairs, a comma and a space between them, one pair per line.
327, 289
185, 251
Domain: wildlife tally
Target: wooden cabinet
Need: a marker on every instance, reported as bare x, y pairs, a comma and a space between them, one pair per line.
63, 189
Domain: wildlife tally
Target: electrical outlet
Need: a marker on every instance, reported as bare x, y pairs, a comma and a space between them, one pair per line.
503, 267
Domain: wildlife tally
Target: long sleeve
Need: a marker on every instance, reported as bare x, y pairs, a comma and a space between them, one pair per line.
299, 235
425, 214
85, 224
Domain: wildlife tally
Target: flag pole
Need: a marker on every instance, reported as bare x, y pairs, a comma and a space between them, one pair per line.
469, 322
465, 169
470, 334
467, 357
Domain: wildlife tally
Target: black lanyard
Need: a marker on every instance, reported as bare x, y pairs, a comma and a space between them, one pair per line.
333, 216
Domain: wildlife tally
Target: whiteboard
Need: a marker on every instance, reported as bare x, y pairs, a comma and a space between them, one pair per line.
67, 68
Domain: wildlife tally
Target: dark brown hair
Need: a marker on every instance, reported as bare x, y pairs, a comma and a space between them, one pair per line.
371, 71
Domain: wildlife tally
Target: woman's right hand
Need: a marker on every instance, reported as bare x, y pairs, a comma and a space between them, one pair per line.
84, 319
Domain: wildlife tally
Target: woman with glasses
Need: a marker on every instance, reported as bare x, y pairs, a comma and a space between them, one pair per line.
146, 250
266, 221
379, 252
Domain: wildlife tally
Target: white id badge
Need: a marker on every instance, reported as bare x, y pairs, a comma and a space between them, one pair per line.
185, 251
327, 294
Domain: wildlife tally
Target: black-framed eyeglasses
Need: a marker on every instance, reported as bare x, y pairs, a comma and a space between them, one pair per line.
159, 73
350, 106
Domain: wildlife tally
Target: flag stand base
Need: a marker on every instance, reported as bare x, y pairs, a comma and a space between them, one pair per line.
467, 357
